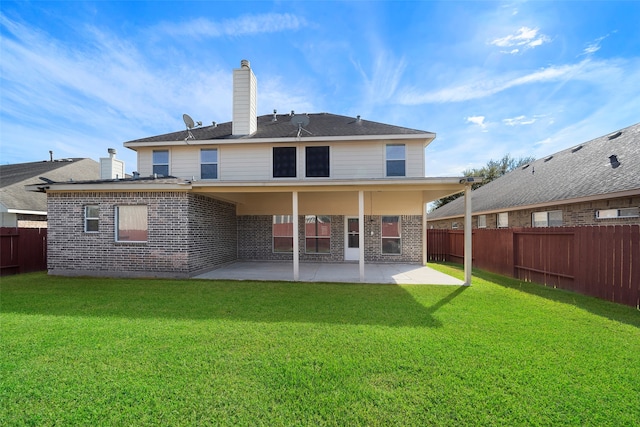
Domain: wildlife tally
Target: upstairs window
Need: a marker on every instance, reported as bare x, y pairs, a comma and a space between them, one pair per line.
161, 162
282, 233
317, 231
317, 162
131, 223
209, 163
91, 219
396, 163
547, 219
284, 162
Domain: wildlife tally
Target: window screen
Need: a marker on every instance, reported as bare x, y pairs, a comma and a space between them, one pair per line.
284, 162
317, 161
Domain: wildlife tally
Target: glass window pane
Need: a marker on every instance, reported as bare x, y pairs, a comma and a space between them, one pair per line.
318, 245
283, 244
92, 211
539, 219
555, 219
209, 156
161, 170
395, 152
209, 171
390, 246
160, 157
132, 223
92, 225
352, 225
353, 241
395, 168
390, 226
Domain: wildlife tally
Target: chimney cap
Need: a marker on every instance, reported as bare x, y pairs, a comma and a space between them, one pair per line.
111, 150
244, 63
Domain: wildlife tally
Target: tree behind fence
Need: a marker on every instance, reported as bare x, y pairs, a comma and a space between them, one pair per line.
601, 261
22, 250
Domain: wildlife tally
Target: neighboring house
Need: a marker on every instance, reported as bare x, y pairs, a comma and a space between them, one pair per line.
593, 183
297, 187
22, 208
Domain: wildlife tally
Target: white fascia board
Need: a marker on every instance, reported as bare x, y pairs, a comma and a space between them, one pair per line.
134, 186
428, 137
26, 212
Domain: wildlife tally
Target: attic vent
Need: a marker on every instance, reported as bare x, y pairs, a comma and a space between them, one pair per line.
578, 148
614, 135
614, 161
548, 158
525, 166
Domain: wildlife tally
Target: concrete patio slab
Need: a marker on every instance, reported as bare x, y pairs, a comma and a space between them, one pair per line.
401, 274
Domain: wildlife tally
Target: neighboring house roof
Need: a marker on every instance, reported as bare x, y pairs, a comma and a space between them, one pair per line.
320, 125
604, 167
13, 178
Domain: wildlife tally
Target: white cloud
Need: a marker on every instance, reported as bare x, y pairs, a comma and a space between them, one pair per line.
477, 120
525, 38
519, 120
594, 46
244, 25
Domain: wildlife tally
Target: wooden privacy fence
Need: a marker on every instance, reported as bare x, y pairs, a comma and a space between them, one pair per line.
601, 261
22, 250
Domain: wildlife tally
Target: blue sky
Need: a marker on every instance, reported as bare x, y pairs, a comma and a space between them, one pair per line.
489, 78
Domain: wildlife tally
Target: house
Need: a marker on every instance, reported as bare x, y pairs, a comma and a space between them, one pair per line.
27, 209
278, 187
593, 183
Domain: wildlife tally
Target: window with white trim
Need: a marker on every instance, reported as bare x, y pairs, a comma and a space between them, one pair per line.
209, 163
160, 160
503, 220
317, 233
317, 161
282, 232
391, 238
284, 162
91, 219
546, 219
482, 221
618, 213
396, 159
131, 223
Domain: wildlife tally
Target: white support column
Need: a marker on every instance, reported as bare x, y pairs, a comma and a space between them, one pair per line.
424, 234
468, 255
361, 233
296, 242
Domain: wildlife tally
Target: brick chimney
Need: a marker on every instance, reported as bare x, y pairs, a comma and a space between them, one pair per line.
245, 105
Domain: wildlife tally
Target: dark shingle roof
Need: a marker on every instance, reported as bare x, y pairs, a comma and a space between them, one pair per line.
585, 170
13, 179
320, 125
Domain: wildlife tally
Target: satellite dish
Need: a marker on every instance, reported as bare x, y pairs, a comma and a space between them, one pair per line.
188, 121
300, 120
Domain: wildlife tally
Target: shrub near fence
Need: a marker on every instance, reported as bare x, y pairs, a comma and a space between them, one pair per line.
601, 261
22, 250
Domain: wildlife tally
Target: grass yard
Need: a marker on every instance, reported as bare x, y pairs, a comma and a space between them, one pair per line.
101, 352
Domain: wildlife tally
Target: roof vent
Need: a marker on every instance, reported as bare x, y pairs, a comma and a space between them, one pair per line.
614, 135
358, 119
614, 161
548, 158
578, 148
275, 115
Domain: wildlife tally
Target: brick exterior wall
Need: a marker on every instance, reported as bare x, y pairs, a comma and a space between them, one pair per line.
182, 233
574, 214
255, 240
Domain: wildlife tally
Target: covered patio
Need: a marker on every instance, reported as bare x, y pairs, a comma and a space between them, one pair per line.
400, 274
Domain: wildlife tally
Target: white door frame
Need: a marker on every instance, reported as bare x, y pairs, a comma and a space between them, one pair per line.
350, 254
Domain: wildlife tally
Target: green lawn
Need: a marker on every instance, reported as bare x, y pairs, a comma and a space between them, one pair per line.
100, 352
